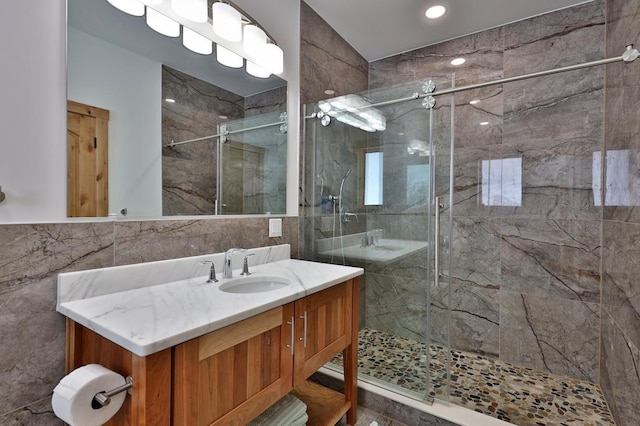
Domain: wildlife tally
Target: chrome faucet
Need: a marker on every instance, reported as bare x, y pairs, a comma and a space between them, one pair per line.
227, 272
245, 265
212, 271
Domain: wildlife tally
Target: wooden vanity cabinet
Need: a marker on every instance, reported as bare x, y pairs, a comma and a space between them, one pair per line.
231, 375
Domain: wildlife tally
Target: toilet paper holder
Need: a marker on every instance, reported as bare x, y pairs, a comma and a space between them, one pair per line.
102, 399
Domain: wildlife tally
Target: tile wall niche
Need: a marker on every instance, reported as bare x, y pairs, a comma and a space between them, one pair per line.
33, 333
620, 345
516, 267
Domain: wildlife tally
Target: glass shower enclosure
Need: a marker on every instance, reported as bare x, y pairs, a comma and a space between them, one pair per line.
377, 195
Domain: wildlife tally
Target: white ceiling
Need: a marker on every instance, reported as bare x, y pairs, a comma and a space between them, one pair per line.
381, 28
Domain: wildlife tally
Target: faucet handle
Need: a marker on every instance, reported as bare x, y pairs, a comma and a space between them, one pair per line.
212, 271
245, 265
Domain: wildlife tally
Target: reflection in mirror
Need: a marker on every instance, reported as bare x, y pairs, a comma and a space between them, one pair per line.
622, 180
502, 182
118, 64
241, 175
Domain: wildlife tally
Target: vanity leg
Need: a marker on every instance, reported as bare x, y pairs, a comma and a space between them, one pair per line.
350, 356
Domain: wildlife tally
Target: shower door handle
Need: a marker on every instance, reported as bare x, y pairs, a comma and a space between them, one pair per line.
436, 244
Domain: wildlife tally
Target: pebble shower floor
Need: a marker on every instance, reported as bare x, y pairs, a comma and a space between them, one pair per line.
519, 395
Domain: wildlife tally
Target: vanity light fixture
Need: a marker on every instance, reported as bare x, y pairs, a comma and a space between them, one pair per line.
226, 21
193, 10
435, 12
458, 61
195, 42
228, 58
132, 7
229, 22
162, 24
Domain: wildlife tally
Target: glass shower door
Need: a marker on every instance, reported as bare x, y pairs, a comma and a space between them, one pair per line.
371, 187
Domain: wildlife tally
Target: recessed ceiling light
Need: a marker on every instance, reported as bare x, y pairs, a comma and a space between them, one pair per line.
169, 100
484, 123
329, 92
475, 101
458, 61
435, 12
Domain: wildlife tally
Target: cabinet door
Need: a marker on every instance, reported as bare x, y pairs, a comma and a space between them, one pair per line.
245, 363
323, 328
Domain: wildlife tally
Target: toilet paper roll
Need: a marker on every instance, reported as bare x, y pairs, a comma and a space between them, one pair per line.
72, 397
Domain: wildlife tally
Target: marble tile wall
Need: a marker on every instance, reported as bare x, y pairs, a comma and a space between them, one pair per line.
519, 261
620, 345
33, 255
327, 62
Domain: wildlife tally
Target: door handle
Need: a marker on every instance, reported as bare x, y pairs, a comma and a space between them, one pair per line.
304, 337
292, 324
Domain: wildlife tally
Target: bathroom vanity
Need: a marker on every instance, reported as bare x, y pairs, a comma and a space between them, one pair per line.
202, 355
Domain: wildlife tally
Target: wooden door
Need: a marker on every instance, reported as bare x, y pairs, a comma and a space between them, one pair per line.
231, 375
87, 160
323, 328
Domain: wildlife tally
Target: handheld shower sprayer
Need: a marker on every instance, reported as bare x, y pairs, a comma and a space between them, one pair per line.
346, 175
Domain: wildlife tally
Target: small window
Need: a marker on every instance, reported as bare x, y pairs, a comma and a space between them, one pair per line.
373, 168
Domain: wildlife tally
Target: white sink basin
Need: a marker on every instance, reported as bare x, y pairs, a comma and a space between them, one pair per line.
257, 284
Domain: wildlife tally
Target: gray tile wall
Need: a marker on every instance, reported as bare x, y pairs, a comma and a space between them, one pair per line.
525, 284
33, 333
327, 62
620, 345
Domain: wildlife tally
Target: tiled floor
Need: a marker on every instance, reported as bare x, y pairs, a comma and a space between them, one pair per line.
515, 394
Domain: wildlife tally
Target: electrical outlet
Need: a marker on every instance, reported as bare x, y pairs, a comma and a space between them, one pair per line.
275, 228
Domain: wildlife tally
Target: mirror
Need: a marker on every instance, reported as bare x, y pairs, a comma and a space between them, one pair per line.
160, 97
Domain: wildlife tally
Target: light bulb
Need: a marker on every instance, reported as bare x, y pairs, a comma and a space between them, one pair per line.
132, 7
195, 42
435, 12
193, 10
272, 59
257, 71
228, 58
254, 40
162, 24
226, 21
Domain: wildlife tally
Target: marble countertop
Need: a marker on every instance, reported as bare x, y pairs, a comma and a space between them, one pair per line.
152, 318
